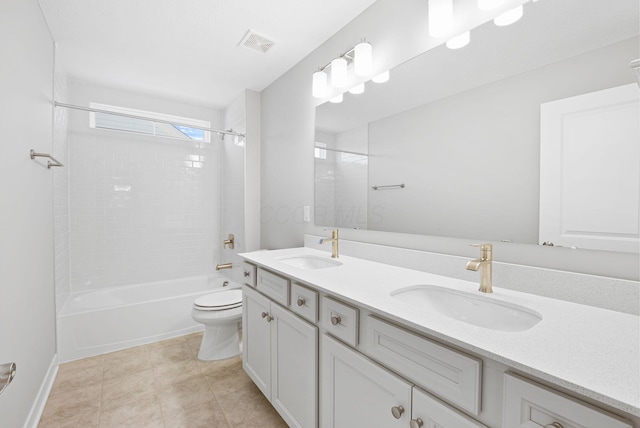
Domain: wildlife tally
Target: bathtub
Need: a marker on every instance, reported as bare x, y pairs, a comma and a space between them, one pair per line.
100, 321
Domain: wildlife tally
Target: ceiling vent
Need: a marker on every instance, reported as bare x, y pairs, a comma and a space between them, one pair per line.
256, 42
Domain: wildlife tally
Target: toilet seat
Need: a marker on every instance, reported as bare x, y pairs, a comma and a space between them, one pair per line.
219, 301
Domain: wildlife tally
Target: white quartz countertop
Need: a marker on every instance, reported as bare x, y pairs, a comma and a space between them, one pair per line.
594, 352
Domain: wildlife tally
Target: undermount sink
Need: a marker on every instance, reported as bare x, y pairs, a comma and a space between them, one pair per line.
472, 309
309, 262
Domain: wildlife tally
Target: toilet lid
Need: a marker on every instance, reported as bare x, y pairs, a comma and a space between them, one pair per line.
220, 300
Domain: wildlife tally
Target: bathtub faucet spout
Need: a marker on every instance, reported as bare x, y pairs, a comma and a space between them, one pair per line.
224, 266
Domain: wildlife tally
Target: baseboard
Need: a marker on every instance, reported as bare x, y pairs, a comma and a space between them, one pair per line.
41, 400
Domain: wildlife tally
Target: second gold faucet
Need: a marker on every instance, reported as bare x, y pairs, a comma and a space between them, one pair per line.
334, 243
484, 264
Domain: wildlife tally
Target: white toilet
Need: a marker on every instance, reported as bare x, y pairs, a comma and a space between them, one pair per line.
221, 314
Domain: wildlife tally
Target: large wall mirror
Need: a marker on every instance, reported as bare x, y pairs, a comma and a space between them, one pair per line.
450, 146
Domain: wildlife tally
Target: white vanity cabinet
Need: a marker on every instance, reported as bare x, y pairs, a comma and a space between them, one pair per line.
355, 392
280, 354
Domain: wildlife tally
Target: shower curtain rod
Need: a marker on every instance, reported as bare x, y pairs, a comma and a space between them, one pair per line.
133, 116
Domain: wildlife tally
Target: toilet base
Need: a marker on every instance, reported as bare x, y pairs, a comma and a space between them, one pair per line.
220, 342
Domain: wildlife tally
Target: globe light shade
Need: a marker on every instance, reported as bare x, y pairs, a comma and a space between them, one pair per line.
363, 59
509, 17
381, 78
319, 86
459, 41
339, 74
440, 17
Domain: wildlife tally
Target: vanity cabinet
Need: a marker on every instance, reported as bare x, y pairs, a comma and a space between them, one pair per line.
280, 354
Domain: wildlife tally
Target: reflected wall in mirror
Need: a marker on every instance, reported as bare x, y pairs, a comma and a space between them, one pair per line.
461, 128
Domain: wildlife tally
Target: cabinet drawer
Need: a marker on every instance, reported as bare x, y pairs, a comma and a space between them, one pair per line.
435, 413
273, 286
452, 375
340, 320
249, 274
528, 404
304, 302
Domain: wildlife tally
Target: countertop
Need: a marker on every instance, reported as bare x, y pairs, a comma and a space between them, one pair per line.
591, 351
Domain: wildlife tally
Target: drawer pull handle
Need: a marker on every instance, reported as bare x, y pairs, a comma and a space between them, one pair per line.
247, 273
416, 423
268, 317
335, 320
301, 301
554, 425
397, 411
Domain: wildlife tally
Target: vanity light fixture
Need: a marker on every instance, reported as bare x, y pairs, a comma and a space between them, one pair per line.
361, 55
320, 86
358, 89
440, 17
339, 72
459, 41
381, 78
509, 17
489, 4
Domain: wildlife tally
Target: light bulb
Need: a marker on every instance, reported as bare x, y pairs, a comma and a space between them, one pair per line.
319, 87
440, 17
339, 73
381, 78
336, 99
489, 4
459, 41
509, 17
363, 59
358, 89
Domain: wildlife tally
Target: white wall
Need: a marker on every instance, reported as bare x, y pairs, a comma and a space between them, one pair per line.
398, 31
27, 308
455, 153
142, 208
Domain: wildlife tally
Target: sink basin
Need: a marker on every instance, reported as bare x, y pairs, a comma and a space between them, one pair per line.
309, 262
472, 309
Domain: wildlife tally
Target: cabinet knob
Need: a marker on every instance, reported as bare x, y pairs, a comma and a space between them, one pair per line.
247, 273
416, 423
554, 425
268, 317
397, 411
335, 319
301, 301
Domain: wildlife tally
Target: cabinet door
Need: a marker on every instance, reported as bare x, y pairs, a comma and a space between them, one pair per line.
294, 368
434, 413
355, 392
256, 343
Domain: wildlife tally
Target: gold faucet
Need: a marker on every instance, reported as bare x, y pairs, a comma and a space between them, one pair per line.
224, 266
334, 243
484, 265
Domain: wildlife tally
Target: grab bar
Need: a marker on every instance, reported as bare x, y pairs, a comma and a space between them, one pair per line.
389, 186
7, 373
33, 154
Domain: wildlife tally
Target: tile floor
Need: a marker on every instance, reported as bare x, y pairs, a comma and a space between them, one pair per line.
162, 385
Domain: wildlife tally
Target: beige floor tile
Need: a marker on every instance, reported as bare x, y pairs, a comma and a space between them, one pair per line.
170, 354
204, 415
227, 378
116, 392
248, 407
180, 397
144, 412
171, 373
79, 373
84, 419
122, 363
64, 402
166, 343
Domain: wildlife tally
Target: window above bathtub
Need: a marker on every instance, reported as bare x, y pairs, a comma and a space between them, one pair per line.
149, 123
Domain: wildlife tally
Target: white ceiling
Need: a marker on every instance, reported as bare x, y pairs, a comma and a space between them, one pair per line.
189, 50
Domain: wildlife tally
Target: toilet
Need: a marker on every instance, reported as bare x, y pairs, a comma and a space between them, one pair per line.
221, 314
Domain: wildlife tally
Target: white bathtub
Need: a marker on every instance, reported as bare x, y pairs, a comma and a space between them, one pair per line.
96, 322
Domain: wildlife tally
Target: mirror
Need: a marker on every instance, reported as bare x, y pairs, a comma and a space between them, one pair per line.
455, 134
